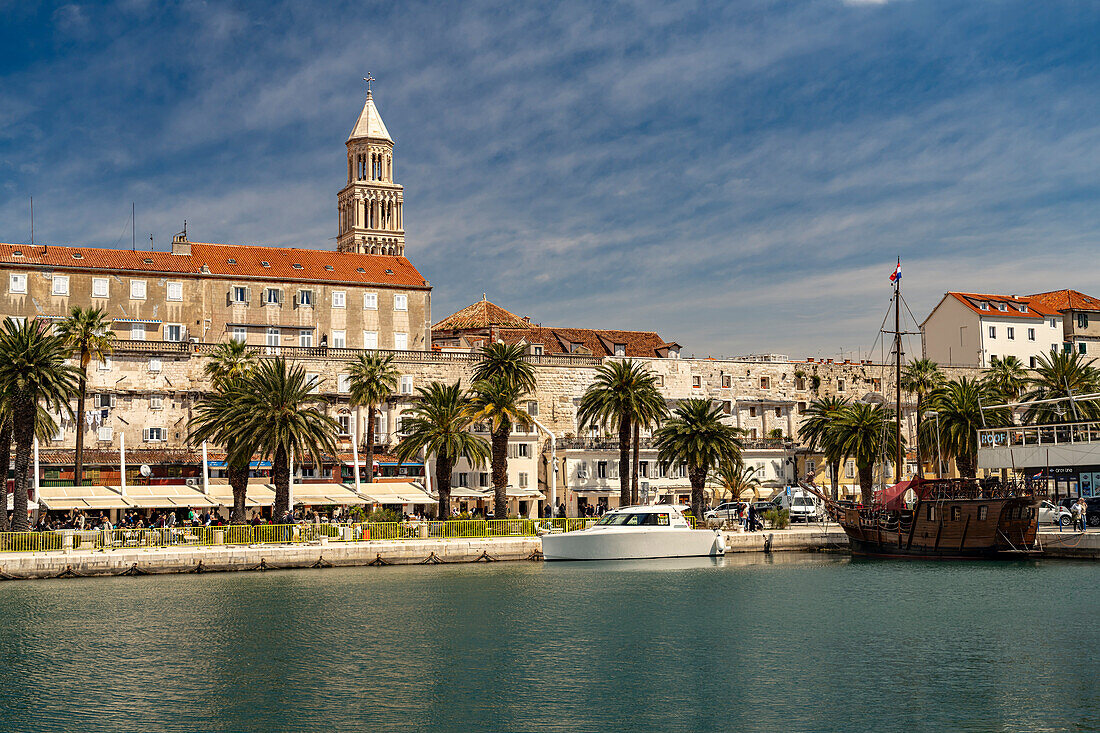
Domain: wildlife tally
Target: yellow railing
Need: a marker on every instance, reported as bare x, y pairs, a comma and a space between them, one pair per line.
273, 534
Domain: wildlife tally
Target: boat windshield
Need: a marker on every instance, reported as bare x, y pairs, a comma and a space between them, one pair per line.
627, 519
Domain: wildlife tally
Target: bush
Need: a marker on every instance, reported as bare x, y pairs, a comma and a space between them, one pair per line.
384, 515
778, 519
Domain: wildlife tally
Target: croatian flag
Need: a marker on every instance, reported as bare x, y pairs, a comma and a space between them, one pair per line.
897, 273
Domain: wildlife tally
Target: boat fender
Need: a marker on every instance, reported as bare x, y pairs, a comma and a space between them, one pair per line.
719, 542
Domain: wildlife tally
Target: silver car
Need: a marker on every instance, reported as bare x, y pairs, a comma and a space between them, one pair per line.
1051, 513
728, 513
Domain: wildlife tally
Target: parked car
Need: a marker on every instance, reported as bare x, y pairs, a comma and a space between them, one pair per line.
765, 506
804, 507
729, 512
1092, 513
1051, 513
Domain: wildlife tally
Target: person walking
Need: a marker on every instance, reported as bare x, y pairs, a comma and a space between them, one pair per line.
1081, 509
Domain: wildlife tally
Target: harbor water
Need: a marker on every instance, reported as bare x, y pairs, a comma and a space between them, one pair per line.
779, 642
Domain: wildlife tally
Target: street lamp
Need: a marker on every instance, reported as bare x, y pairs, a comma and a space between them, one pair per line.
939, 454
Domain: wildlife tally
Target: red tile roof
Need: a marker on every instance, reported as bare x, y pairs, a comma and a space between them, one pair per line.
314, 265
481, 314
1066, 300
1034, 310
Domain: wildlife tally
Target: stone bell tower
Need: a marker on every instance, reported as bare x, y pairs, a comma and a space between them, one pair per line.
370, 205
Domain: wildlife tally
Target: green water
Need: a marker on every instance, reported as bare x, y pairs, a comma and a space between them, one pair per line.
796, 643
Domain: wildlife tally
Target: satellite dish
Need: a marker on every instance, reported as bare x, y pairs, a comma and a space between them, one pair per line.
145, 471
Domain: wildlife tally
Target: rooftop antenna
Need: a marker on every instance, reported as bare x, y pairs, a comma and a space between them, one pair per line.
150, 242
133, 227
32, 221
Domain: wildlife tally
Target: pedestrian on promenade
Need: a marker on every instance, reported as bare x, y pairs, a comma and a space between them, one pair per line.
1081, 509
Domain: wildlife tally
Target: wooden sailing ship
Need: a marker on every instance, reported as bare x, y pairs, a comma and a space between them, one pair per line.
938, 518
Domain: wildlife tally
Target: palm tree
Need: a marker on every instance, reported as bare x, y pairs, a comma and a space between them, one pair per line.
34, 375
438, 424
214, 417
695, 435
959, 404
814, 432
496, 401
87, 331
276, 413
372, 378
920, 378
1059, 375
1008, 376
507, 362
735, 478
650, 409
229, 360
622, 393
867, 433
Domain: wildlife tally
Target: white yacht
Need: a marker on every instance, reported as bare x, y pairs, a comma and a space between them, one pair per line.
633, 533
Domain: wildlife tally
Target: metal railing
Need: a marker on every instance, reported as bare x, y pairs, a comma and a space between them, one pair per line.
280, 534
1021, 435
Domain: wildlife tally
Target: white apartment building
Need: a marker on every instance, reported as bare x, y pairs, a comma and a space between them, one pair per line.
974, 329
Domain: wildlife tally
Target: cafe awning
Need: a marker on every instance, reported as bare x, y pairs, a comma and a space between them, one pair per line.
324, 494
396, 492
462, 492
167, 496
528, 493
68, 498
257, 495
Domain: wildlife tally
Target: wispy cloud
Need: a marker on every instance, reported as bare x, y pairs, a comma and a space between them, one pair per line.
738, 177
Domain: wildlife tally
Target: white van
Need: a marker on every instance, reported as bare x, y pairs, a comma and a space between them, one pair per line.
803, 506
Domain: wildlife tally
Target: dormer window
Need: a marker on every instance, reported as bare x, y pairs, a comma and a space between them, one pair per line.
231, 261
265, 263
17, 253
1023, 309
148, 260
78, 256
328, 267
296, 266
389, 272
1002, 307
359, 269
983, 305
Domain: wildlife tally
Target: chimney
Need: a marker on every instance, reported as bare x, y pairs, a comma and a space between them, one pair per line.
180, 245
527, 320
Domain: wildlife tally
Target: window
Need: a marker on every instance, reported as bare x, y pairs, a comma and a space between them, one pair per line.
175, 291
582, 470
800, 407
339, 339
1010, 333
1031, 362
60, 285
483, 479
1031, 334
519, 450
406, 385
983, 306
1054, 323
811, 467
305, 337
752, 412
532, 408
345, 424
370, 301
727, 381
840, 385
17, 283
876, 384
370, 339
271, 338
522, 480
779, 412
400, 302
696, 382
1002, 307
620, 349
313, 379
173, 332
239, 294
106, 433
601, 469
137, 331
956, 513
105, 365
660, 380
463, 480
273, 296
240, 334
100, 401
1081, 347
983, 512
992, 332
643, 469
536, 349
339, 297
154, 365
401, 341
800, 383
305, 298
1082, 320
100, 287
156, 402
1023, 309
765, 382
153, 435
343, 383
137, 290
850, 469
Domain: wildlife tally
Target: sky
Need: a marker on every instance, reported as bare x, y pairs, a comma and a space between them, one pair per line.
739, 177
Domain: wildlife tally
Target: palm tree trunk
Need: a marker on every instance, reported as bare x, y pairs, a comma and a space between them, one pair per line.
5, 465
82, 394
443, 486
369, 447
920, 418
23, 417
624, 460
280, 474
834, 478
500, 470
867, 483
966, 466
698, 481
634, 466
238, 482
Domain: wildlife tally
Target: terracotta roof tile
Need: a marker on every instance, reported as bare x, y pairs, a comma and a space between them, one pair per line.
314, 265
1034, 310
481, 314
1066, 300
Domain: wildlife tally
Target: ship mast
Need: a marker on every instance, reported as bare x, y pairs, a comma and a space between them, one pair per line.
900, 464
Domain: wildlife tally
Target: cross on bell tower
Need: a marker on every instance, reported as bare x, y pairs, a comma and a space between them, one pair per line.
371, 205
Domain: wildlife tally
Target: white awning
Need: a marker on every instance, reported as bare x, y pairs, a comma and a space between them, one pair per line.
166, 496
396, 492
323, 495
66, 498
257, 494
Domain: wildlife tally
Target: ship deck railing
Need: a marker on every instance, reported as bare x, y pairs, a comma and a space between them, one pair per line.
1054, 434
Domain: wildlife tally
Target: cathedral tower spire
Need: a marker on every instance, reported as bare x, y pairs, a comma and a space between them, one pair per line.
370, 205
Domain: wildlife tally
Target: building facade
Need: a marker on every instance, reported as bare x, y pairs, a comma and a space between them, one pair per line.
1080, 315
974, 329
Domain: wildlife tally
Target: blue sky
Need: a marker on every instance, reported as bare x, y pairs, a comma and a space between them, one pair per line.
738, 177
